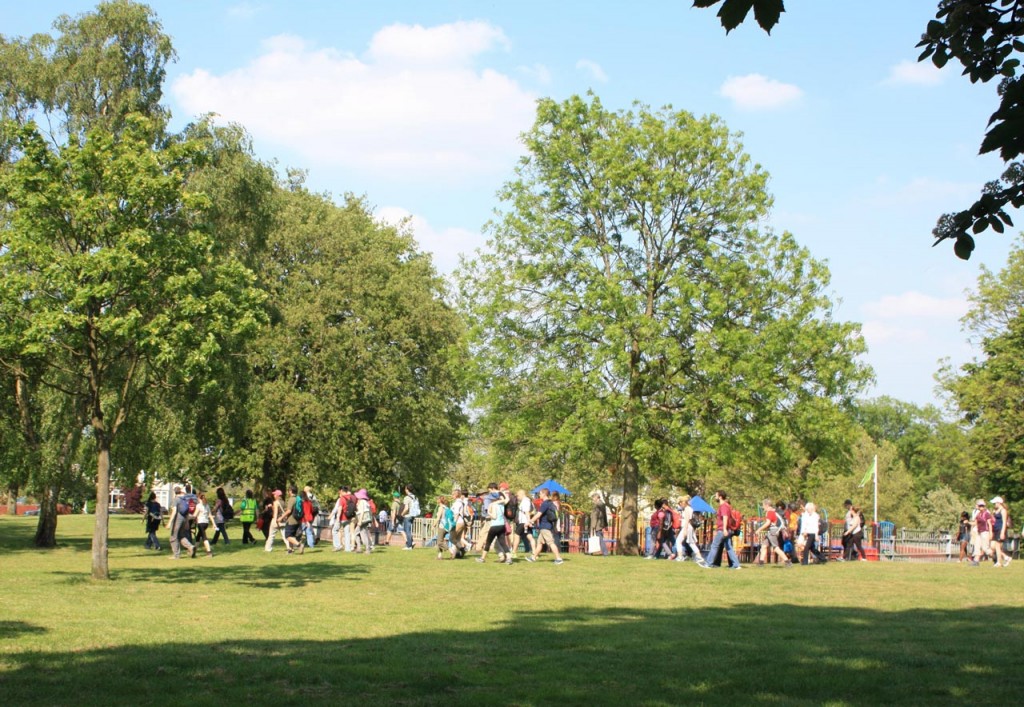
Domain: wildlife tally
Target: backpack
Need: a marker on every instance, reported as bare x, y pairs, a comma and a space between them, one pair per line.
510, 510
414, 507
187, 505
822, 526
667, 519
735, 521
227, 511
552, 515
447, 520
696, 520
297, 510
348, 510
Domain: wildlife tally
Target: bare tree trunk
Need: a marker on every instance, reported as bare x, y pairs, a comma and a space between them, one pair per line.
100, 569
46, 529
12, 499
628, 539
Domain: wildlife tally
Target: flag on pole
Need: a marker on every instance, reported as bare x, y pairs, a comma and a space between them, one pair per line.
872, 470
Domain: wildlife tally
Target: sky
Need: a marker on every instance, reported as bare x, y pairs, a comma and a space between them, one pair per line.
418, 107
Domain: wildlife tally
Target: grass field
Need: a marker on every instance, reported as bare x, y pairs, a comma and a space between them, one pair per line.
249, 627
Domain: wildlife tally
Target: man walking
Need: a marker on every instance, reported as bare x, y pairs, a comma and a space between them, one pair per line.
178, 523
545, 519
723, 535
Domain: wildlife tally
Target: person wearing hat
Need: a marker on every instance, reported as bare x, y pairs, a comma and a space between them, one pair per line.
983, 521
277, 515
1000, 524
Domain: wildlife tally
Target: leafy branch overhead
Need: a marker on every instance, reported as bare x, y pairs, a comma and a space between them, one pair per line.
984, 36
734, 12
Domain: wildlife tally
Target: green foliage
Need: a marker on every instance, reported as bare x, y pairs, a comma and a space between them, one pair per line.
358, 377
941, 508
630, 311
733, 12
988, 392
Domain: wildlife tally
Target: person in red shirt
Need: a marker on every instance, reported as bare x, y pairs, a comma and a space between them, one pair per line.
723, 536
983, 522
773, 524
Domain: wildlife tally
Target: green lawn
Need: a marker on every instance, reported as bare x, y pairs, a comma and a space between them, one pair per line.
248, 627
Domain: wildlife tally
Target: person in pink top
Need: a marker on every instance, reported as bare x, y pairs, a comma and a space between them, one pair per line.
983, 521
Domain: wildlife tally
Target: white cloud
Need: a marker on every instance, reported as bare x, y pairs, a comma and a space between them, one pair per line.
757, 92
538, 72
916, 305
879, 333
914, 73
445, 245
455, 43
592, 68
922, 190
244, 11
415, 107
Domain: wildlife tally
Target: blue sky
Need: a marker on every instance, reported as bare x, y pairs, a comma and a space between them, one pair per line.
418, 106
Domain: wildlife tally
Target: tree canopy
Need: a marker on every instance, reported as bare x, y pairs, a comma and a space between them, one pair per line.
631, 310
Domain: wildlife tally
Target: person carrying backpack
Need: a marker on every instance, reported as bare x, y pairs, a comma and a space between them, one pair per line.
688, 533
293, 522
773, 524
723, 535
222, 513
363, 520
545, 519
810, 528
410, 510
179, 524
668, 529
444, 524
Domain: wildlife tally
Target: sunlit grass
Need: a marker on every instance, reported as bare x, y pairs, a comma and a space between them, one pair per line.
402, 627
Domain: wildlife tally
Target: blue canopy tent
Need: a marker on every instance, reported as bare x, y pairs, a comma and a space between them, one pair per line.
700, 505
552, 485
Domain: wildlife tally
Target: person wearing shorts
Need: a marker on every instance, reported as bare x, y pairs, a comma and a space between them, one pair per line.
773, 525
544, 520
983, 522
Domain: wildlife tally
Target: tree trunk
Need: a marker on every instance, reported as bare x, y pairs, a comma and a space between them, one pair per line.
12, 499
628, 538
46, 529
100, 570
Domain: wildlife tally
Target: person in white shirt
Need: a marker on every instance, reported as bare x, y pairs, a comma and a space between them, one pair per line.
809, 523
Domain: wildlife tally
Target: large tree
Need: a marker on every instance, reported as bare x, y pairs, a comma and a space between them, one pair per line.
112, 278
633, 314
358, 377
985, 37
989, 391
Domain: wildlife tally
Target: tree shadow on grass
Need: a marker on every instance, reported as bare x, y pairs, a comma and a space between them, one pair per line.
13, 629
19, 537
746, 654
276, 576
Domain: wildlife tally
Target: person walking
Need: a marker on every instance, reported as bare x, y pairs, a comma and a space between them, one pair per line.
202, 523
247, 516
221, 515
178, 522
154, 514
983, 522
544, 519
1000, 524
963, 535
599, 521
688, 534
309, 514
277, 521
396, 516
772, 528
293, 522
335, 520
856, 530
496, 530
523, 527
810, 523
723, 535
363, 520
410, 511
457, 538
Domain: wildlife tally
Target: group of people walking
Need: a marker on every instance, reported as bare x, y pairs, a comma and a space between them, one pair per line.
985, 531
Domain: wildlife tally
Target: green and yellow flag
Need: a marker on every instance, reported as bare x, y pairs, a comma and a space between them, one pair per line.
872, 470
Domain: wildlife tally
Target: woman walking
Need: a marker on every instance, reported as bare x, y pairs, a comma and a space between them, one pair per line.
247, 515
276, 522
154, 512
220, 516
364, 518
496, 530
202, 523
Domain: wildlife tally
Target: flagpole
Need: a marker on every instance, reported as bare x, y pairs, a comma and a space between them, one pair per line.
875, 465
